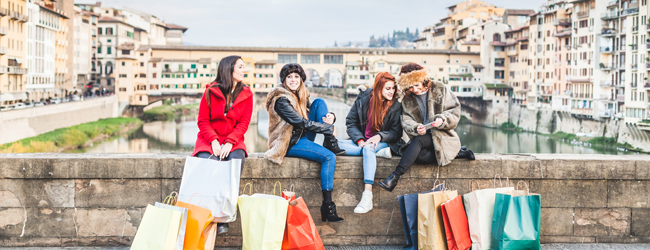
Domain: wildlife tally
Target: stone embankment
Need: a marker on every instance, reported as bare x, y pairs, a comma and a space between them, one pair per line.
98, 200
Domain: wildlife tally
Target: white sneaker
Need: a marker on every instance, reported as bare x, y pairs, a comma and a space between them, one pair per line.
365, 204
384, 153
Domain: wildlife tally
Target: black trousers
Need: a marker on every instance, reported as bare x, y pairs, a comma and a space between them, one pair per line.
236, 154
420, 150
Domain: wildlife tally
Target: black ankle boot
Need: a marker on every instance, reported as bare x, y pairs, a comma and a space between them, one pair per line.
390, 182
466, 154
222, 228
328, 212
330, 142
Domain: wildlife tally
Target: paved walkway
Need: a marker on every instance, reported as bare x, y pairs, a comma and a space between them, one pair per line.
544, 246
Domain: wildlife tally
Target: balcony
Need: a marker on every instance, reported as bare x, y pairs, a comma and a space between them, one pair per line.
3, 12
13, 15
607, 113
3, 31
609, 15
17, 70
563, 22
620, 98
4, 69
634, 47
606, 97
23, 18
605, 66
608, 32
635, 66
630, 11
606, 84
635, 29
606, 50
583, 14
647, 86
647, 65
512, 52
3, 50
568, 47
499, 64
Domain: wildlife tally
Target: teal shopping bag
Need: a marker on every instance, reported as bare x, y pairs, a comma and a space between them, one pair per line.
516, 221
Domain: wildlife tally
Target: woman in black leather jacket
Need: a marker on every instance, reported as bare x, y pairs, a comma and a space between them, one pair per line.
293, 125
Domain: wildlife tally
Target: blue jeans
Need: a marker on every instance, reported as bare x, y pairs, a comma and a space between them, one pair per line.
369, 157
306, 148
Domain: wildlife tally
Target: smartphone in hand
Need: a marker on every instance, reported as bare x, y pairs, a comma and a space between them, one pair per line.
428, 126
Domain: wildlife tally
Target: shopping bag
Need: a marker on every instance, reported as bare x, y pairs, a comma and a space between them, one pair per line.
216, 181
456, 227
158, 229
408, 206
516, 221
197, 219
479, 207
431, 235
263, 219
300, 231
170, 203
210, 234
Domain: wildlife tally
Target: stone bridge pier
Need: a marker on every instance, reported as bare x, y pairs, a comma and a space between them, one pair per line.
89, 200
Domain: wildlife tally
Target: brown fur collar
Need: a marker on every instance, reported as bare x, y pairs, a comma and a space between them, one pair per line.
279, 130
407, 80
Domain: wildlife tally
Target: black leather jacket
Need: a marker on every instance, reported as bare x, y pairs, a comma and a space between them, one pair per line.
391, 130
300, 124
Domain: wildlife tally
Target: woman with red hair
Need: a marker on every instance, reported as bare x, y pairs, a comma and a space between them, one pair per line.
373, 124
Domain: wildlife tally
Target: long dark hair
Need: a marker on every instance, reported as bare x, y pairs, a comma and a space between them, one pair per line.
225, 82
378, 104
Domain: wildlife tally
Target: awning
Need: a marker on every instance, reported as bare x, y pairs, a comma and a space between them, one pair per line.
13, 96
19, 60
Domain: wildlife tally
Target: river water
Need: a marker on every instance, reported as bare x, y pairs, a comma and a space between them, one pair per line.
179, 136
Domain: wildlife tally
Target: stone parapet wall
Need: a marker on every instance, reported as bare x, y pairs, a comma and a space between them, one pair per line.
99, 199
24, 123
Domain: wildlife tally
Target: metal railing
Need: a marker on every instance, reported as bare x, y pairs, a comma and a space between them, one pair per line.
582, 14
17, 70
606, 50
609, 15
606, 83
629, 11
620, 98
605, 66
635, 29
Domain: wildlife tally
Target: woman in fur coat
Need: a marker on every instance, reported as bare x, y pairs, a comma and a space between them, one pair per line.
293, 125
373, 124
426, 102
224, 115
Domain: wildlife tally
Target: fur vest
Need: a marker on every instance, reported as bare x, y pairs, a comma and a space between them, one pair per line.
279, 129
442, 104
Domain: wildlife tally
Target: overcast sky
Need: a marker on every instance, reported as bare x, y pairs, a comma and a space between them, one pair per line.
296, 23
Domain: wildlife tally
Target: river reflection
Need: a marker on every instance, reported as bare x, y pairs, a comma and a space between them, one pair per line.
179, 136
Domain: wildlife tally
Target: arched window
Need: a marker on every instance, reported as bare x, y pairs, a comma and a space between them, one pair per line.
109, 68
99, 67
497, 38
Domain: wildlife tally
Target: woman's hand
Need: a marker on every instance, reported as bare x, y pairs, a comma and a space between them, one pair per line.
421, 129
329, 118
225, 151
374, 141
216, 148
362, 143
437, 122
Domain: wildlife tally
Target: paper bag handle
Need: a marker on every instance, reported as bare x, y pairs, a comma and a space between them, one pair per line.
190, 201
470, 185
527, 188
494, 184
250, 190
171, 199
274, 185
214, 156
290, 189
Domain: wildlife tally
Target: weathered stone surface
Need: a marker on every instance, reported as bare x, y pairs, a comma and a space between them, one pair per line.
642, 170
55, 222
227, 241
362, 224
11, 219
640, 222
264, 169
405, 186
484, 165
566, 239
172, 167
385, 240
344, 240
31, 241
40, 192
634, 194
311, 192
602, 222
107, 222
571, 193
116, 193
621, 169
557, 221
519, 166
626, 240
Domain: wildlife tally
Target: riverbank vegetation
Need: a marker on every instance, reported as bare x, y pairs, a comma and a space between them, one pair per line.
169, 112
510, 126
73, 137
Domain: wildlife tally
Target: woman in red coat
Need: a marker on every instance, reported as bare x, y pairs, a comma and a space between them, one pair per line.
224, 114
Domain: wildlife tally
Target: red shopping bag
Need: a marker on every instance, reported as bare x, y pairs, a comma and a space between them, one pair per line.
456, 226
300, 232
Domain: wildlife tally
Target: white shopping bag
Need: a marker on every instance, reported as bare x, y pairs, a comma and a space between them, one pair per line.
216, 181
479, 206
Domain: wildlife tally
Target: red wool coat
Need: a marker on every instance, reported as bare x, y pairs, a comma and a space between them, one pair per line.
230, 128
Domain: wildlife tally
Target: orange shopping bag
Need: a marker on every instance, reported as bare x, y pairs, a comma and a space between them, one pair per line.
300, 232
197, 219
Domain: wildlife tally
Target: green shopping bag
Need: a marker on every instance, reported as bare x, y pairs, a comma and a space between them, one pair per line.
158, 229
263, 218
516, 221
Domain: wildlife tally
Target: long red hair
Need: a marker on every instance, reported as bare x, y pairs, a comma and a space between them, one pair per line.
378, 104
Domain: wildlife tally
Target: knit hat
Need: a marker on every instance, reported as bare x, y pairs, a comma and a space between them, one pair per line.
292, 68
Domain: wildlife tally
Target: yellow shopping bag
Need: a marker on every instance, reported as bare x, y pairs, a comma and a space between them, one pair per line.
431, 234
158, 229
263, 218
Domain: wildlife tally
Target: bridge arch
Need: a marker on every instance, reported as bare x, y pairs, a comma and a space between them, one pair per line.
333, 78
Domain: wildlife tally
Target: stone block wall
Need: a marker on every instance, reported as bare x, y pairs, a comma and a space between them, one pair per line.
98, 200
24, 123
